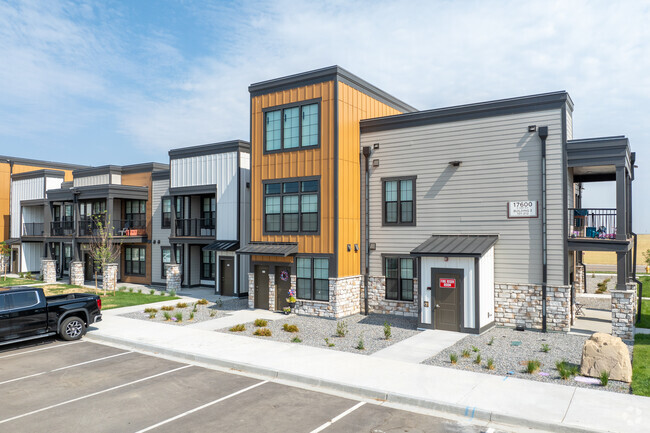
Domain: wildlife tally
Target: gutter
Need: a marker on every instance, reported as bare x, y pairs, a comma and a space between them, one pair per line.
543, 133
366, 154
634, 278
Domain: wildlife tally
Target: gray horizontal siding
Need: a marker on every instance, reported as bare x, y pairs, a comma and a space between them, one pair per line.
501, 162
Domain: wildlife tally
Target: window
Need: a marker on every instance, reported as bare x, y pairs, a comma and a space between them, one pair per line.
179, 208
135, 212
291, 127
399, 278
312, 278
208, 211
23, 299
399, 201
166, 257
135, 261
166, 213
291, 207
207, 265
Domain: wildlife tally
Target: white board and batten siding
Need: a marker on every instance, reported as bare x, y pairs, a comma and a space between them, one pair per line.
216, 169
24, 189
31, 254
486, 288
501, 162
99, 179
159, 189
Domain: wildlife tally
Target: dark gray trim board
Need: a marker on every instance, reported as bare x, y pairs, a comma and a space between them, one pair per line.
210, 149
160, 175
144, 167
598, 245
335, 181
33, 202
40, 163
565, 199
97, 171
330, 73
100, 191
37, 174
193, 190
524, 104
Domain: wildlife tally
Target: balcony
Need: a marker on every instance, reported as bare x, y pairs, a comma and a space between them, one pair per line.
136, 226
195, 227
592, 223
62, 228
33, 229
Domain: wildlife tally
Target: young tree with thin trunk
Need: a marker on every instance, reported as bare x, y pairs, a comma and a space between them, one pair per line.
5, 252
103, 248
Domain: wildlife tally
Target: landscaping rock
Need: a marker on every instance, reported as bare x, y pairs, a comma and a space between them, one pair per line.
603, 352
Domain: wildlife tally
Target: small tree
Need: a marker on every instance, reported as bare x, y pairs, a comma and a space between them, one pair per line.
646, 257
103, 248
5, 251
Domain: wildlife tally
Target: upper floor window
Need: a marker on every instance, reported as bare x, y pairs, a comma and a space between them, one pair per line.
398, 206
166, 213
135, 212
291, 207
291, 127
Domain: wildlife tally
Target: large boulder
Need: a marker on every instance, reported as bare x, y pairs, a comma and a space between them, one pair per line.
604, 352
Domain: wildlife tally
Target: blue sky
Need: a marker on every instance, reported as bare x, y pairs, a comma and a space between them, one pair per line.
124, 81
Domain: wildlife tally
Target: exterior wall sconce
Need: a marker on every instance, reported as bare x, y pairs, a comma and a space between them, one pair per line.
455, 163
349, 248
532, 128
375, 163
375, 146
372, 246
356, 248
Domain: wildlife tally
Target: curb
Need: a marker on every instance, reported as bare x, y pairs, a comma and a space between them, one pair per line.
473, 413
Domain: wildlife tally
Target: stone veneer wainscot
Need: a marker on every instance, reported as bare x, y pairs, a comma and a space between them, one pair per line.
377, 302
521, 305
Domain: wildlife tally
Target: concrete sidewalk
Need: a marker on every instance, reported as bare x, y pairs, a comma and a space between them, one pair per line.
503, 400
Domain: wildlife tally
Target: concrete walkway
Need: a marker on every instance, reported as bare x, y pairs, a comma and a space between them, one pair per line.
487, 397
420, 347
593, 320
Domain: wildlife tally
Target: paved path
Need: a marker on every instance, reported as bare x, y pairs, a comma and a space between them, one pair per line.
420, 347
488, 397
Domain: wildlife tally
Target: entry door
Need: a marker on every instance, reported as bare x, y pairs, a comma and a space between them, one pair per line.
446, 299
227, 276
262, 287
14, 261
283, 284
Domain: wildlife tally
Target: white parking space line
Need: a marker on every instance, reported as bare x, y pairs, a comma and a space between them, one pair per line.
42, 348
93, 394
196, 409
338, 417
63, 368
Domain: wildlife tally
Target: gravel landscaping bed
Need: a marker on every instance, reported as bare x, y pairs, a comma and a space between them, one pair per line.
314, 330
209, 311
511, 360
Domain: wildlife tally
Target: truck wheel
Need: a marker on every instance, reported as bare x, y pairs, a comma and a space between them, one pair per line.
72, 328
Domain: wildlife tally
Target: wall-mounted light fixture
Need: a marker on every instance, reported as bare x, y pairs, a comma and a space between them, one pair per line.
532, 128
372, 246
248, 184
455, 163
375, 163
349, 248
356, 248
375, 146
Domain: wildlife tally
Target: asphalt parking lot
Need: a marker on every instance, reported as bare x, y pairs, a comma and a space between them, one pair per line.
56, 386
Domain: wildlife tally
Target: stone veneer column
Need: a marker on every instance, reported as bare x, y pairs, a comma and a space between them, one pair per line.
77, 273
48, 271
272, 289
251, 290
173, 274
558, 308
109, 277
623, 312
579, 279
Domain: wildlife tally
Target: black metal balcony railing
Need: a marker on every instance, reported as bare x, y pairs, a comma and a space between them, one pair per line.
136, 226
33, 229
592, 223
62, 228
195, 227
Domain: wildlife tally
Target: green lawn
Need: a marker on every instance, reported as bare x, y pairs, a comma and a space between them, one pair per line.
127, 299
16, 281
641, 367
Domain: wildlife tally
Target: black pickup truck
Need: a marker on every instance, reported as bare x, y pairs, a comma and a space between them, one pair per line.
26, 313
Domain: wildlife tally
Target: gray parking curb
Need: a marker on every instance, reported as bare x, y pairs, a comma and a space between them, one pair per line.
471, 413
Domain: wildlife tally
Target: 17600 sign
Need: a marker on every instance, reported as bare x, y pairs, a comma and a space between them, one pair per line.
522, 209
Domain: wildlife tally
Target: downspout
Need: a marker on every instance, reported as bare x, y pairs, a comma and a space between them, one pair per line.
366, 154
634, 278
543, 133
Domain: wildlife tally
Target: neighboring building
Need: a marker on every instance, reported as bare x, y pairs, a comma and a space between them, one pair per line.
204, 214
305, 223
475, 210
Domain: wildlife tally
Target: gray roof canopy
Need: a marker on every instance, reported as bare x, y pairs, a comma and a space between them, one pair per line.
282, 249
456, 245
222, 246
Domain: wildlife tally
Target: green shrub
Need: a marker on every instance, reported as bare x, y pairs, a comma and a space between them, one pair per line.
192, 315
260, 323
181, 305
341, 329
327, 342
532, 366
152, 291
296, 340
478, 359
387, 331
602, 286
290, 328
566, 370
152, 315
238, 328
172, 292
360, 344
604, 378
167, 316
474, 349
465, 353
213, 313
130, 289
546, 348
202, 302
162, 293
150, 310
28, 275
262, 332
490, 364
453, 358
491, 342
179, 317
167, 308
219, 303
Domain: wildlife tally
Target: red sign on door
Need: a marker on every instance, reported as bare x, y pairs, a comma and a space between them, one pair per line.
447, 283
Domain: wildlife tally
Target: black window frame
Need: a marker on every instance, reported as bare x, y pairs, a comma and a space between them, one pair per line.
179, 258
142, 260
135, 219
399, 179
300, 194
281, 108
312, 279
166, 222
399, 278
210, 266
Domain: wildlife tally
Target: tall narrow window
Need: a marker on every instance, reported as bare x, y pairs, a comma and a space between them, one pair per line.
208, 265
272, 214
309, 125
399, 274
135, 261
303, 278
166, 213
208, 213
399, 201
135, 214
292, 127
321, 282
273, 131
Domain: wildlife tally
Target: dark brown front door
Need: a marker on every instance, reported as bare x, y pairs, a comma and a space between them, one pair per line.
14, 261
446, 299
283, 284
262, 287
227, 276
